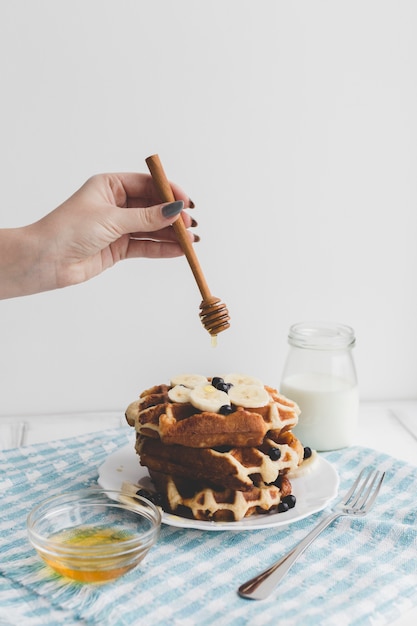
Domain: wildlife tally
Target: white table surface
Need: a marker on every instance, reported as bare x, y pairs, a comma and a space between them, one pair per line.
389, 427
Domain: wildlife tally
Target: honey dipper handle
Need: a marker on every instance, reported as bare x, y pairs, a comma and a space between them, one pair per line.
164, 188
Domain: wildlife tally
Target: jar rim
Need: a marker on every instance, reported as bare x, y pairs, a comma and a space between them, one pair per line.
321, 335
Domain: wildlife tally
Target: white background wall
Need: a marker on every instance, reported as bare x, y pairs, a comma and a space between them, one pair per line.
292, 125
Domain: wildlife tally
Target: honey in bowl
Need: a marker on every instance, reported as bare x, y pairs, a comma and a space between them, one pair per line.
109, 541
93, 535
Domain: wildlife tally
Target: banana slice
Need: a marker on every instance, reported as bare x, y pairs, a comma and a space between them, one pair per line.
249, 396
242, 379
189, 380
179, 393
208, 398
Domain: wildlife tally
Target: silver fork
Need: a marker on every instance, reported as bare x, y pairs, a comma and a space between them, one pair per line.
358, 501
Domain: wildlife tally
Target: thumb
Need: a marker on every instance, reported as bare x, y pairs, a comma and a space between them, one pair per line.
151, 218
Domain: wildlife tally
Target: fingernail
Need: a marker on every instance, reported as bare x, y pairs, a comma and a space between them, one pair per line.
196, 238
194, 223
191, 204
173, 208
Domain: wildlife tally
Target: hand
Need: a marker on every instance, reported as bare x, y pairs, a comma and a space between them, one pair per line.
110, 218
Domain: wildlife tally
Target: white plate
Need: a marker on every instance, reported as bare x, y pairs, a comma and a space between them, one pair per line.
313, 490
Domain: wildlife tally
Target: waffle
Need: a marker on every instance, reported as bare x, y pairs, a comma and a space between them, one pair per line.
239, 468
154, 415
217, 449
198, 500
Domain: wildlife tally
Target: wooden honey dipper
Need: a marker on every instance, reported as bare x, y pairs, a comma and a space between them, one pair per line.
213, 313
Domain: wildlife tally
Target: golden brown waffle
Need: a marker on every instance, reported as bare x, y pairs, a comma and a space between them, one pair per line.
201, 501
239, 468
208, 465
154, 415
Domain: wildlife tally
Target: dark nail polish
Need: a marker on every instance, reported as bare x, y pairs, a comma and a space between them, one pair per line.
191, 204
194, 223
173, 208
196, 238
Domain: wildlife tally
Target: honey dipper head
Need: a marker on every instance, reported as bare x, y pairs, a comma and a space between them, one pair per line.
214, 316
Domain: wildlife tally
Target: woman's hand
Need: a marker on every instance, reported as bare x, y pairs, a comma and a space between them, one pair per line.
110, 218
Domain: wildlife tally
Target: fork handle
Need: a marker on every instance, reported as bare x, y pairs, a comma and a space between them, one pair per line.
259, 587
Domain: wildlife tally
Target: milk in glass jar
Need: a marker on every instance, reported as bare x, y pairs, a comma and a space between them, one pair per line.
320, 376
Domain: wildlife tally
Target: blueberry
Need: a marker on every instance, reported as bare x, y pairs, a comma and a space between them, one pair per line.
143, 493
290, 501
307, 452
226, 409
157, 499
216, 380
274, 454
282, 507
223, 387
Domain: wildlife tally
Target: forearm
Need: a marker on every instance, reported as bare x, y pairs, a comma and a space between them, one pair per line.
19, 263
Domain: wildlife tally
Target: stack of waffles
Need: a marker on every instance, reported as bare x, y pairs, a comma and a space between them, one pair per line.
217, 448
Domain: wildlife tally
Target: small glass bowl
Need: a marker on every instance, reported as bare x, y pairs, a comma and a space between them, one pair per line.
93, 535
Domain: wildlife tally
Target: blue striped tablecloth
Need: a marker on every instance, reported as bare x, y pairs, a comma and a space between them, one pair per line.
359, 571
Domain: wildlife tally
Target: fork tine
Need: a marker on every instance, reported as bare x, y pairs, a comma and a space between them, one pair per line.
367, 505
365, 490
351, 491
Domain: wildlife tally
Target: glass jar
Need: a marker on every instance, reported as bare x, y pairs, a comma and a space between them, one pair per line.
319, 375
